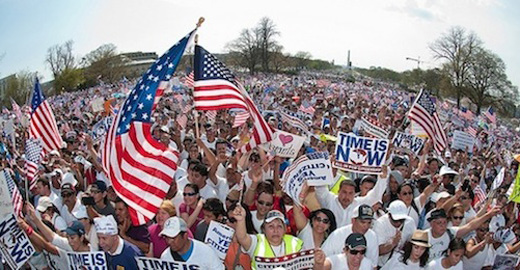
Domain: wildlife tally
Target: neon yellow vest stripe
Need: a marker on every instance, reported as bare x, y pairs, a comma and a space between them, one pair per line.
263, 248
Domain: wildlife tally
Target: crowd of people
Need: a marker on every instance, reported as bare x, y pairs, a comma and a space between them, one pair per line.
448, 210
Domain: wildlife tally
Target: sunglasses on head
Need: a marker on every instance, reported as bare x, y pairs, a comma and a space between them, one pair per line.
189, 194
356, 252
322, 220
265, 203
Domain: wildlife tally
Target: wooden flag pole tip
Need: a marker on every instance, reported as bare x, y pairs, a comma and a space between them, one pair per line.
201, 20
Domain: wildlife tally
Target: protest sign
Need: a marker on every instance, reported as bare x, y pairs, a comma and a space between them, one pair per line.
417, 130
87, 260
408, 142
144, 263
98, 104
371, 128
15, 246
219, 238
9, 127
6, 204
284, 144
296, 261
463, 140
360, 154
505, 262
100, 128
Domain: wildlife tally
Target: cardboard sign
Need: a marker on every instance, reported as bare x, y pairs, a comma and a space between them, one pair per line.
100, 129
87, 260
315, 168
6, 204
219, 237
372, 129
360, 154
408, 142
505, 262
144, 263
417, 130
15, 246
463, 140
284, 144
98, 104
296, 261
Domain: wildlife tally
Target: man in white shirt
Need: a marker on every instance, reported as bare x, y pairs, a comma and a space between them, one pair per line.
71, 203
393, 230
361, 223
343, 204
194, 253
200, 178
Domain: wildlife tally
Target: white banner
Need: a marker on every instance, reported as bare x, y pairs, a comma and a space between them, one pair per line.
144, 263
373, 129
101, 128
87, 260
408, 142
302, 260
97, 104
15, 246
360, 154
284, 144
6, 204
463, 140
219, 237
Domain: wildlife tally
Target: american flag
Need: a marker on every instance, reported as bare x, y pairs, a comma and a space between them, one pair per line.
490, 114
16, 197
16, 109
139, 167
423, 113
218, 89
466, 113
33, 148
189, 80
292, 119
472, 131
307, 109
215, 85
240, 118
480, 195
182, 119
43, 124
211, 115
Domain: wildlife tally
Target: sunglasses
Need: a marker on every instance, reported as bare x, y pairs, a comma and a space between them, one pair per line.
231, 201
407, 193
322, 220
458, 217
464, 198
268, 204
356, 252
189, 194
66, 195
483, 230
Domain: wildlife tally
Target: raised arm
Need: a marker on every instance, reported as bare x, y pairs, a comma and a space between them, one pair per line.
473, 248
249, 196
475, 223
299, 217
36, 239
47, 233
428, 191
243, 238
375, 195
207, 152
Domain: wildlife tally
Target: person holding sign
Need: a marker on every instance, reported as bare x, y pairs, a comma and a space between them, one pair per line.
183, 249
272, 242
352, 258
314, 230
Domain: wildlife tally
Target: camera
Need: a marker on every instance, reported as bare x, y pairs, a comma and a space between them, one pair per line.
88, 201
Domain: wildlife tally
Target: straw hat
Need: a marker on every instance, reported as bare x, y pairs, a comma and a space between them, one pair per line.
420, 238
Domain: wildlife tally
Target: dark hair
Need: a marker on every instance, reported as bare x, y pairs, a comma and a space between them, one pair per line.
404, 184
192, 186
214, 206
329, 215
44, 182
250, 228
221, 141
407, 251
455, 244
347, 182
119, 200
265, 187
201, 169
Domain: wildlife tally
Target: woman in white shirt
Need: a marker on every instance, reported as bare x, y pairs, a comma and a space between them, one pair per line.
316, 229
453, 257
414, 256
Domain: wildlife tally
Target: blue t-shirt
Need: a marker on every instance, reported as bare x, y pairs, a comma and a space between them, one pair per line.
124, 260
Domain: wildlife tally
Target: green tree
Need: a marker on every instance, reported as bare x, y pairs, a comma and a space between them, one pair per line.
19, 87
68, 80
63, 64
105, 63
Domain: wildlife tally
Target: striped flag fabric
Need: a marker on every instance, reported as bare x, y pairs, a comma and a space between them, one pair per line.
182, 119
240, 118
292, 119
189, 80
33, 148
490, 114
472, 131
16, 197
211, 115
139, 167
214, 87
423, 113
308, 110
467, 113
16, 109
480, 195
43, 124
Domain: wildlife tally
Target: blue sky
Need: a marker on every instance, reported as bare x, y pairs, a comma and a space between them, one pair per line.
378, 32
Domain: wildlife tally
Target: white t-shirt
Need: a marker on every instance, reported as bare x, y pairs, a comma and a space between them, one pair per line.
58, 222
208, 191
66, 215
413, 213
339, 262
479, 260
336, 242
385, 232
257, 223
436, 265
201, 255
396, 263
306, 236
439, 245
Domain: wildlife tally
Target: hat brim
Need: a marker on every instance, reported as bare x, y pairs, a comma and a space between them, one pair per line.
399, 216
365, 217
267, 220
420, 243
169, 233
69, 231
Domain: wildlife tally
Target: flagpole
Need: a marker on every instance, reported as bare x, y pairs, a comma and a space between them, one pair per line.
197, 132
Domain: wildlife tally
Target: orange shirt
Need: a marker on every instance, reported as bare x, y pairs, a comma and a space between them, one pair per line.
244, 260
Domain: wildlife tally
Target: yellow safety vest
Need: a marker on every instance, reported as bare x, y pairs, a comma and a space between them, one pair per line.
263, 248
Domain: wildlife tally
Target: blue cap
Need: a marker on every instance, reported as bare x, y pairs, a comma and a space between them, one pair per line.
76, 228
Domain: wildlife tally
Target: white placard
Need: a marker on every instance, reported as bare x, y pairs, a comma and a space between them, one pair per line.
219, 237
284, 144
360, 154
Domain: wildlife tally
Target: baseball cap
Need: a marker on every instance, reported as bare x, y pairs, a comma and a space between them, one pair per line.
436, 214
100, 185
447, 170
274, 214
67, 188
420, 238
43, 203
75, 228
397, 176
69, 178
165, 129
398, 210
173, 226
356, 240
440, 195
363, 212
54, 153
106, 225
